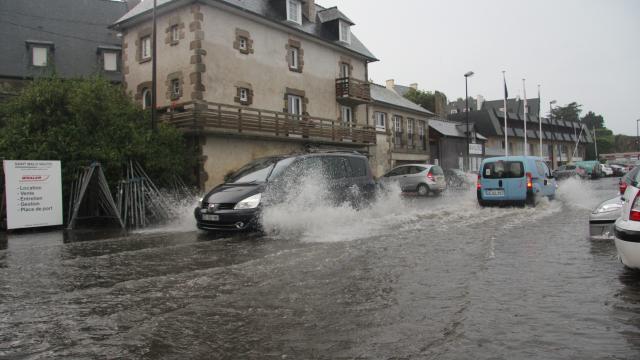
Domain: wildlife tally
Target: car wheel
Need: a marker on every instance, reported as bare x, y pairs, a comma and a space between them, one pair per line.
531, 200
423, 190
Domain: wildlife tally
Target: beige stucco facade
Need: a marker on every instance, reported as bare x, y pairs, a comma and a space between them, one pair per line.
210, 66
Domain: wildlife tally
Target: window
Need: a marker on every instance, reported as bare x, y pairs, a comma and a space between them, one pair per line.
293, 58
410, 126
39, 55
175, 89
345, 70
347, 115
345, 32
110, 60
145, 46
175, 34
244, 95
503, 170
381, 120
502, 144
421, 134
294, 11
146, 98
294, 105
242, 43
397, 130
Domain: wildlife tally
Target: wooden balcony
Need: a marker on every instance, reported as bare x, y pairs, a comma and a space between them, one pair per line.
207, 117
350, 91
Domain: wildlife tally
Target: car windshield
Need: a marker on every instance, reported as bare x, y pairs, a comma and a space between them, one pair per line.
259, 171
503, 169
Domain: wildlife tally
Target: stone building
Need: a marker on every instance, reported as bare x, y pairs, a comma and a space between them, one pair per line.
251, 78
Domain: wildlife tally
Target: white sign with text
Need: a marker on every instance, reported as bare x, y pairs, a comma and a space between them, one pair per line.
475, 149
34, 193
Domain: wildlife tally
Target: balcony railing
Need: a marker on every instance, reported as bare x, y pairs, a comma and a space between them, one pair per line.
352, 91
208, 117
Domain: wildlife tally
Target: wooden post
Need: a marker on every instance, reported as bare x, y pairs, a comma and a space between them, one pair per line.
259, 120
277, 130
240, 120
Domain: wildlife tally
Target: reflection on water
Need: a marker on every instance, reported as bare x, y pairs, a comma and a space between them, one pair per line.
407, 277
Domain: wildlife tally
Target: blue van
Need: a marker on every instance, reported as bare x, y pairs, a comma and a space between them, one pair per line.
514, 180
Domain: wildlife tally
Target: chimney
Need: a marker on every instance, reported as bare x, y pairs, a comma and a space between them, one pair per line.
414, 86
309, 10
391, 84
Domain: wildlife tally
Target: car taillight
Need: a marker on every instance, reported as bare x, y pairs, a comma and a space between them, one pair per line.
430, 176
529, 181
635, 209
623, 187
479, 184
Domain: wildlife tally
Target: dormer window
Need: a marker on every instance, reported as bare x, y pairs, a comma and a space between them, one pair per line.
345, 32
294, 11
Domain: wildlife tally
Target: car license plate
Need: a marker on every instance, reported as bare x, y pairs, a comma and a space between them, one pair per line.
208, 217
498, 192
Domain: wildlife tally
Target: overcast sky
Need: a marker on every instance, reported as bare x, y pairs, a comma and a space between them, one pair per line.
587, 51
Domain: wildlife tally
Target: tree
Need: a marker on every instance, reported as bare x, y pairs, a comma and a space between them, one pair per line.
83, 120
433, 101
593, 121
570, 112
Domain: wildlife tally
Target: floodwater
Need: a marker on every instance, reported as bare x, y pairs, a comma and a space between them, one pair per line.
409, 278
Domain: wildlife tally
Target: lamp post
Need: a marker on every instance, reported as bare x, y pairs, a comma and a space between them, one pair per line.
637, 136
467, 75
550, 120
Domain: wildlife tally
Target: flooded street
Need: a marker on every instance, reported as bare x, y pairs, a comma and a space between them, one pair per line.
409, 278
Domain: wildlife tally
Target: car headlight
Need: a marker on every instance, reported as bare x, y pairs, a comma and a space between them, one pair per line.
607, 208
251, 202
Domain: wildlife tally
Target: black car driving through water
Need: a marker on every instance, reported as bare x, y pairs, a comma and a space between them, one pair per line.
236, 204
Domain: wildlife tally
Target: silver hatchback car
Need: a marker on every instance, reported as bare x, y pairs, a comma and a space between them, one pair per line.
420, 178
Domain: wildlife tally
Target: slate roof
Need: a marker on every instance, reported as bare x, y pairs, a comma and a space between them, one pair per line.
381, 94
75, 28
261, 8
401, 89
332, 14
490, 122
514, 105
451, 128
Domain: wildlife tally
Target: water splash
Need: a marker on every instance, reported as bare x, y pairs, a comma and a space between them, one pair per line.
577, 193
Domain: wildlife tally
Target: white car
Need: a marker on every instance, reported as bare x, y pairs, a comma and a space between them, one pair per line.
606, 170
627, 227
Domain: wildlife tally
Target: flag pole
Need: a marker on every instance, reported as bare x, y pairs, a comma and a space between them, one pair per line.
539, 120
524, 90
506, 95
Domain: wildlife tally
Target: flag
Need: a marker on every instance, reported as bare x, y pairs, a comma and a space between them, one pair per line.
506, 92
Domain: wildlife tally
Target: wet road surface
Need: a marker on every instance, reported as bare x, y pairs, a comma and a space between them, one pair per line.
410, 278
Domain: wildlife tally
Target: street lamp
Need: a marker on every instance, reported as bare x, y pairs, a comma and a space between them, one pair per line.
466, 93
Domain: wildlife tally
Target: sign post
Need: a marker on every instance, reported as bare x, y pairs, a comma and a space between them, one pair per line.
33, 193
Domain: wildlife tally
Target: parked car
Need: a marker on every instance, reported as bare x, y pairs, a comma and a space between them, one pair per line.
604, 216
236, 204
627, 227
618, 170
626, 179
514, 180
566, 171
420, 178
457, 178
591, 169
606, 170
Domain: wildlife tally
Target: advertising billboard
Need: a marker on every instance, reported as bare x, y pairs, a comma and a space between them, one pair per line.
33, 193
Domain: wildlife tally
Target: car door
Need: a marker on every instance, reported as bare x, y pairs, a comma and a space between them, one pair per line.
414, 177
399, 175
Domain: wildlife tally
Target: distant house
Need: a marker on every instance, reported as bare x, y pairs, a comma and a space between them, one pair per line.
69, 38
562, 141
402, 130
440, 102
251, 78
448, 144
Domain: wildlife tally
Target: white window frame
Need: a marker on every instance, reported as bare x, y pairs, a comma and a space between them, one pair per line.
294, 53
175, 88
243, 43
39, 56
294, 105
145, 47
345, 70
381, 120
175, 33
294, 8
347, 115
244, 95
110, 61
345, 31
